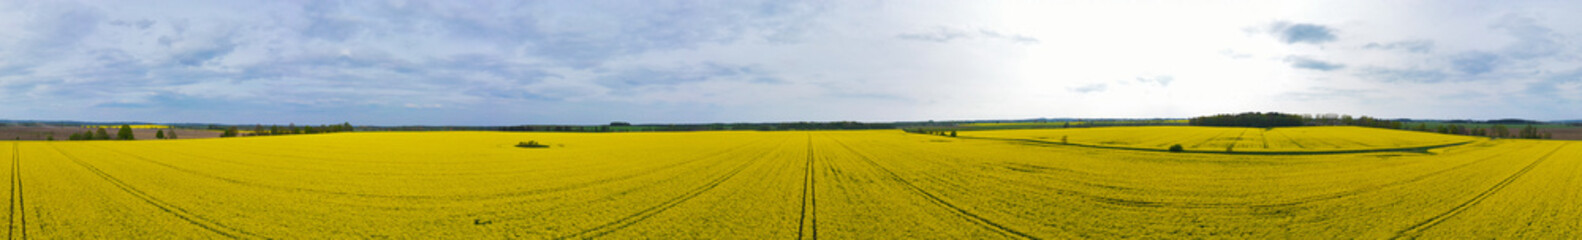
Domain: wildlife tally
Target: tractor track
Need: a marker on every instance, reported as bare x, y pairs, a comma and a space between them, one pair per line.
809, 198
500, 216
18, 203
972, 217
417, 197
183, 214
1416, 229
629, 220
1291, 202
1418, 149
1293, 140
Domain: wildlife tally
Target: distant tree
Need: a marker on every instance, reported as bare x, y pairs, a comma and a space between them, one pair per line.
292, 129
1066, 125
275, 130
101, 134
159, 134
74, 137
1548, 135
1063, 140
1176, 148
125, 133
1501, 132
50, 138
1529, 132
172, 134
229, 132
952, 133
258, 130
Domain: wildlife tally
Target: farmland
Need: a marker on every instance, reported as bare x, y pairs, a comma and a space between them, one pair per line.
879, 184
1291, 139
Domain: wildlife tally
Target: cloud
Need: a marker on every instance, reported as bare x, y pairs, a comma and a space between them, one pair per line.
1403, 75
945, 35
1008, 37
1162, 80
1293, 33
1532, 40
421, 106
1474, 63
1090, 88
1414, 46
1313, 64
1328, 94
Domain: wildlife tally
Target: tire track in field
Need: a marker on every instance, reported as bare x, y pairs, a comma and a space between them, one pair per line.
809, 197
1293, 202
183, 214
971, 217
1414, 230
422, 197
629, 220
1192, 205
18, 203
1205, 141
1236, 140
1293, 140
497, 216
1265, 137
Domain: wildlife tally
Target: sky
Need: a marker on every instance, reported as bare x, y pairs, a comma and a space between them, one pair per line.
593, 62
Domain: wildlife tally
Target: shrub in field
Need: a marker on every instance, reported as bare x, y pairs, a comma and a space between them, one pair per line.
531, 144
1176, 148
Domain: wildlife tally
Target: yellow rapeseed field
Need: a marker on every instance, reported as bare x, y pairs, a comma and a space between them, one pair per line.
1237, 139
881, 184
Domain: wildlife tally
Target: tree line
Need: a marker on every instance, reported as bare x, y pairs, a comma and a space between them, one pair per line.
1276, 119
1496, 131
289, 129
1249, 119
125, 133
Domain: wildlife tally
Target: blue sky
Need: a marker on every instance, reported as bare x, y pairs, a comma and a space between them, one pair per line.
590, 62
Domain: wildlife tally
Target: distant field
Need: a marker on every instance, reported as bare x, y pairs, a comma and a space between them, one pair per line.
1284, 139
142, 126
61, 133
1062, 124
881, 184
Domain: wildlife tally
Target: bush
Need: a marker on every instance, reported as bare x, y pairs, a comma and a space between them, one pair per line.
531, 144
1176, 148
